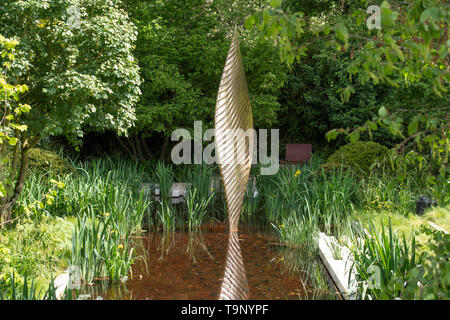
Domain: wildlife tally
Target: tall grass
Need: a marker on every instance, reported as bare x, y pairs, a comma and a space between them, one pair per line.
378, 257
164, 176
167, 215
108, 187
101, 247
307, 198
196, 209
388, 192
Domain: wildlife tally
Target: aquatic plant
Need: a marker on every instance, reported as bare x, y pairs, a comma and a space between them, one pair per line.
164, 177
378, 257
167, 216
196, 209
101, 246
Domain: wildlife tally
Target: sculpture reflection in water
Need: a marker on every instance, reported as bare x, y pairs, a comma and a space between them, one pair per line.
234, 146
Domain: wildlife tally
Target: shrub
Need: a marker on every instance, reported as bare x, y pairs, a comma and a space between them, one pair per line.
37, 249
359, 155
430, 278
44, 161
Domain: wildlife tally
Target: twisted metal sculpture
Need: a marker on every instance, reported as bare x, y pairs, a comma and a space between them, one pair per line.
234, 282
233, 119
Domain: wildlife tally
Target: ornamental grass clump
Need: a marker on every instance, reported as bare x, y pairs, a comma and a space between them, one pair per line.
378, 258
101, 246
164, 176
196, 209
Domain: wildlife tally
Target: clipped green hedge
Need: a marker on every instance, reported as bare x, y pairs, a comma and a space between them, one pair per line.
43, 161
358, 155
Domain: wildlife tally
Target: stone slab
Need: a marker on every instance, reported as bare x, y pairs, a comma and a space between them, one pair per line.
339, 269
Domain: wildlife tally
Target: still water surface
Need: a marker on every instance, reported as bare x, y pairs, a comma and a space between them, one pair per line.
191, 266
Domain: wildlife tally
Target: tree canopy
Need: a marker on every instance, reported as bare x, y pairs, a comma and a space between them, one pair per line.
76, 58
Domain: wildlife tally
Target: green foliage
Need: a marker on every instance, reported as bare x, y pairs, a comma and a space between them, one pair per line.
101, 247
359, 155
409, 52
378, 258
385, 191
12, 128
164, 177
76, 58
181, 48
311, 101
430, 279
38, 249
196, 209
27, 291
48, 162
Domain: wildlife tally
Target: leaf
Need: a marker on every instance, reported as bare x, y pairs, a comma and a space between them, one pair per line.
341, 32
332, 134
3, 191
373, 125
326, 29
425, 15
382, 112
413, 126
12, 141
250, 21
276, 3
354, 136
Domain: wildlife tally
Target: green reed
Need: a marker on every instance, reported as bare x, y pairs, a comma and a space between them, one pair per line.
101, 247
164, 176
196, 209
378, 257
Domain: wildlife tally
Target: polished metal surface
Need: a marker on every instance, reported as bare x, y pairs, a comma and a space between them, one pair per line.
234, 284
234, 148
234, 140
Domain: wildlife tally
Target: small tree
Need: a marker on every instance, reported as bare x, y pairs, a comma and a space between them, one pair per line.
12, 130
76, 58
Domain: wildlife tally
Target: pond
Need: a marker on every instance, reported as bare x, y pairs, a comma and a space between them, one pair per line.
197, 266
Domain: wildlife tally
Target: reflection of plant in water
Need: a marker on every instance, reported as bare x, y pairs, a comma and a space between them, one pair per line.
196, 242
167, 216
311, 272
103, 289
166, 243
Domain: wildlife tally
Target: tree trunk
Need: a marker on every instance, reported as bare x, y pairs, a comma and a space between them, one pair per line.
134, 154
124, 145
164, 148
148, 154
6, 208
138, 148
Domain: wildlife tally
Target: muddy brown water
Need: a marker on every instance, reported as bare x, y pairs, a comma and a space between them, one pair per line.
190, 266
